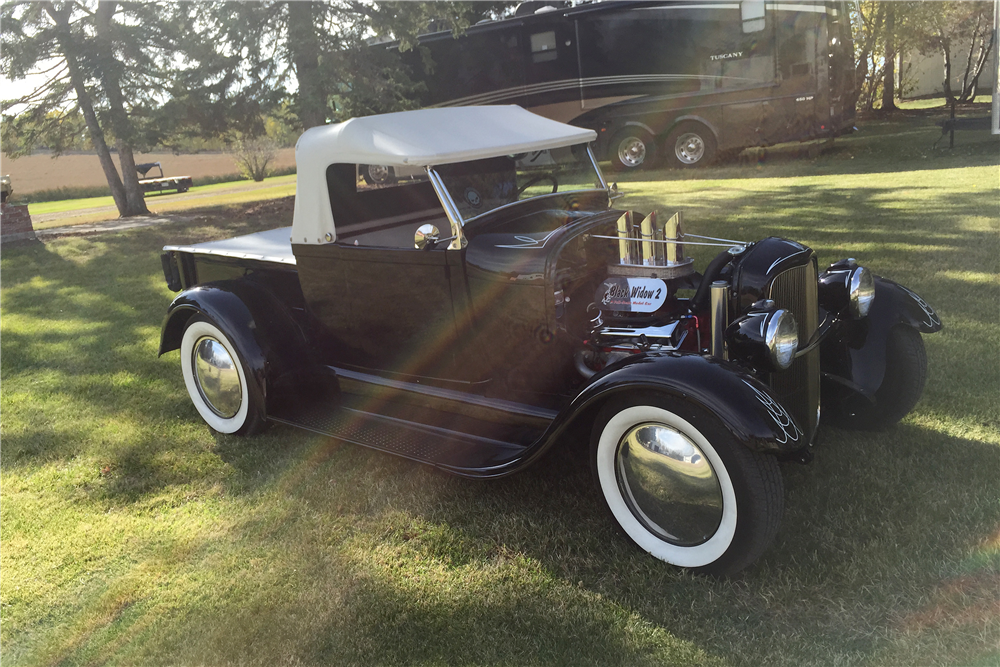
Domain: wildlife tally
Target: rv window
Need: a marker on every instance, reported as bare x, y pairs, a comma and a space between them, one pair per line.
752, 12
746, 72
543, 47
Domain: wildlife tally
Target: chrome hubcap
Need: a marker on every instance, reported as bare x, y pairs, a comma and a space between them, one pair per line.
378, 173
689, 148
632, 151
669, 484
217, 377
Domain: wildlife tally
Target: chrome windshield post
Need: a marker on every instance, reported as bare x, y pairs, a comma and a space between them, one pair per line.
597, 170
450, 209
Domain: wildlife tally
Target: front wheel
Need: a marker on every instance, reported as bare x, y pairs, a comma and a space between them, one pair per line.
902, 385
680, 486
216, 380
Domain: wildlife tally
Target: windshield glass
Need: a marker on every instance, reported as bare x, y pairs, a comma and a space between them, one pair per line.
481, 186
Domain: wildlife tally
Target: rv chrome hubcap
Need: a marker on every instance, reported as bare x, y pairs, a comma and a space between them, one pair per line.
632, 151
378, 173
668, 484
217, 377
689, 148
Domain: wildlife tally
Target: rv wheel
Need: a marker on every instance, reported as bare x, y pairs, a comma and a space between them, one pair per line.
690, 145
377, 174
632, 148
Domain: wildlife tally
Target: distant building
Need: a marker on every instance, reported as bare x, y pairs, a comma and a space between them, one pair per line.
924, 75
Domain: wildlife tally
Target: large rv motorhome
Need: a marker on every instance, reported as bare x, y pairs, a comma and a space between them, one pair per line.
679, 83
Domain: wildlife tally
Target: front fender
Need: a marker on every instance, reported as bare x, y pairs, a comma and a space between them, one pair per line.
746, 406
853, 356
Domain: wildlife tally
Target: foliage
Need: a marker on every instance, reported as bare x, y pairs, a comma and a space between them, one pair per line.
962, 32
105, 64
322, 46
253, 155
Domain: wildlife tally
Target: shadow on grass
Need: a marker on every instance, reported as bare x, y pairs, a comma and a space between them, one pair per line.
420, 568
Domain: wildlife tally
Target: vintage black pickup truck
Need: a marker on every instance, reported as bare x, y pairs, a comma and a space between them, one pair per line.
474, 316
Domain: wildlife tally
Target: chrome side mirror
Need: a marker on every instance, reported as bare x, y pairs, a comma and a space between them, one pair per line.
426, 237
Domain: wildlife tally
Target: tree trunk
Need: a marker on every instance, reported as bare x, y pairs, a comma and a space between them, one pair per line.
304, 51
863, 74
69, 49
984, 54
974, 67
889, 80
121, 124
949, 96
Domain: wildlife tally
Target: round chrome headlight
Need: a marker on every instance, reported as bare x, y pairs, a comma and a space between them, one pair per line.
782, 338
861, 287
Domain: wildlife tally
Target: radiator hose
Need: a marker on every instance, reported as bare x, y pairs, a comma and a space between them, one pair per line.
700, 300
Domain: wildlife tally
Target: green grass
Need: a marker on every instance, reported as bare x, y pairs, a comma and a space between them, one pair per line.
133, 536
221, 194
938, 102
152, 200
95, 192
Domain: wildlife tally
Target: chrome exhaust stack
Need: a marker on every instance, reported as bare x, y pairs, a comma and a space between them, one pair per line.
648, 250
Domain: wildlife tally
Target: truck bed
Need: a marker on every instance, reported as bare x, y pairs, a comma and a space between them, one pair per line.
274, 245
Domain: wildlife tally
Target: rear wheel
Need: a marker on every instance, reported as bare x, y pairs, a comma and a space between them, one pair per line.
680, 486
217, 380
690, 145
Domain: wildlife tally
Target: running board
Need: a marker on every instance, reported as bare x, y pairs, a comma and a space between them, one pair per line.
459, 453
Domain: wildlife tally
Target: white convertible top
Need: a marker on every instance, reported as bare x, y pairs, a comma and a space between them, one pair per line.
421, 138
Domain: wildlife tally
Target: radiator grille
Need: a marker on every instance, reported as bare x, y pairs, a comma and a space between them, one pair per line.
798, 386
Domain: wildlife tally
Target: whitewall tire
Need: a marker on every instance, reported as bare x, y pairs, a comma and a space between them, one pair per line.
682, 488
216, 380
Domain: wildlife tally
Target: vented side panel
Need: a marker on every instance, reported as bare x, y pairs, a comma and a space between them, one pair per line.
798, 386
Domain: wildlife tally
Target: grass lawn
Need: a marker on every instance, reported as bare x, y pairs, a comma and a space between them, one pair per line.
133, 536
217, 194
938, 102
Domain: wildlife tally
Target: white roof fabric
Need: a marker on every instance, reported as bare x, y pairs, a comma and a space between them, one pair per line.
425, 137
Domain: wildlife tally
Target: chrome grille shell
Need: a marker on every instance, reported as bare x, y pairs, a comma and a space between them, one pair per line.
797, 387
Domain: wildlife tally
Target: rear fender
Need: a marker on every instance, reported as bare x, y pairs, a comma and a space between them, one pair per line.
271, 343
746, 406
853, 356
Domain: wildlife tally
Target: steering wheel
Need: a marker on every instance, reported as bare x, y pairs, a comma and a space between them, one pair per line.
537, 179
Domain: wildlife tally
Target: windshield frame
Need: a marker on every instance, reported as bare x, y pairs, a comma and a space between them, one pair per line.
451, 209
